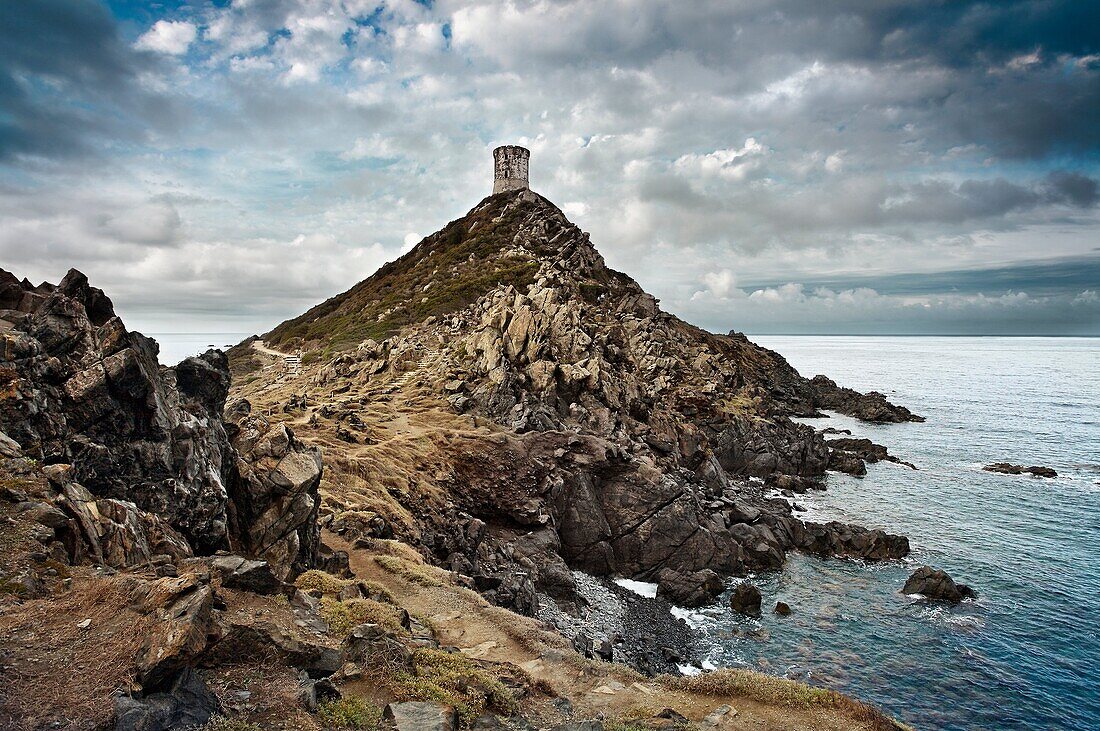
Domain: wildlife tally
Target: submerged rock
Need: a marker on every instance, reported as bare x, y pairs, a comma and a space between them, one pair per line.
937, 585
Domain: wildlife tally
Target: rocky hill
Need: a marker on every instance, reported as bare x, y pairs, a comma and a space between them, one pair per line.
501, 399
162, 565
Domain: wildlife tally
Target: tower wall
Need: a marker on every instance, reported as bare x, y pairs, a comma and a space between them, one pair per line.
510, 168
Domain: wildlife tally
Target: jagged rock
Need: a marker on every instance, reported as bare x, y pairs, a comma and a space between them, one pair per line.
186, 702
82, 390
871, 406
620, 440
183, 607
238, 572
275, 502
746, 599
1007, 468
937, 585
693, 589
419, 716
312, 692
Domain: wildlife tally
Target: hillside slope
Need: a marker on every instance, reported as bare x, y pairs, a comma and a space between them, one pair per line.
503, 400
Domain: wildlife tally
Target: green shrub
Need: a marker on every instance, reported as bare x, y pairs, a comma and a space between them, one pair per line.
453, 679
350, 712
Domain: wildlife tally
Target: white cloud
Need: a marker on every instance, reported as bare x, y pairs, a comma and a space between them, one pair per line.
173, 37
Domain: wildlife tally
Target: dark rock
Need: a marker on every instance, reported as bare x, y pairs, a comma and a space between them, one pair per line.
1007, 468
312, 693
782, 609
746, 599
241, 573
689, 589
265, 641
185, 702
871, 406
937, 585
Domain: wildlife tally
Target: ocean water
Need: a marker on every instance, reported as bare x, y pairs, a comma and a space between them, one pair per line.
1026, 654
174, 347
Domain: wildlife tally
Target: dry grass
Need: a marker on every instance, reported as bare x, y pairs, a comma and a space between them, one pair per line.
316, 580
422, 575
350, 712
452, 679
773, 691
59, 673
344, 616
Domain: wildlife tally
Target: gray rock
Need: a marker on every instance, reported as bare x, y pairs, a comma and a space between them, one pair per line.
238, 572
419, 716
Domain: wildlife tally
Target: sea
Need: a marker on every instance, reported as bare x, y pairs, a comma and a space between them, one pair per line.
1026, 654
174, 347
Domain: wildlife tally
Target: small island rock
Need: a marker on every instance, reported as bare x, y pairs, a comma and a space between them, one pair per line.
937, 585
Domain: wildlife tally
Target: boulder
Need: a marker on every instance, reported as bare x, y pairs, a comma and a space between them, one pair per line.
238, 572
782, 609
937, 585
746, 599
691, 589
185, 627
186, 702
274, 502
259, 641
419, 716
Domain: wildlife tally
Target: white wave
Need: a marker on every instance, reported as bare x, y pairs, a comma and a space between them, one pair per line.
641, 588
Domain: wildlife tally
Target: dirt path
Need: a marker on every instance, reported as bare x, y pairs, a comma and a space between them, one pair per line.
259, 345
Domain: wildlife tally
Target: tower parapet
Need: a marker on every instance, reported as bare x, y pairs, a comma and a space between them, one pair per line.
510, 168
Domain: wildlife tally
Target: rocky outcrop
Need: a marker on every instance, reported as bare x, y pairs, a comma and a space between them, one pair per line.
138, 456
871, 406
274, 499
937, 585
1007, 468
622, 440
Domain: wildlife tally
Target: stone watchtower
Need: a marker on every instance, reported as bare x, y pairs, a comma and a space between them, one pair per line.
510, 168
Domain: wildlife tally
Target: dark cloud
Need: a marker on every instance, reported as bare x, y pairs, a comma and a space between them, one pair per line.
250, 158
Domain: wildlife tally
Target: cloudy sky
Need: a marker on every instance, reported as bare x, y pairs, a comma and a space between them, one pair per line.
794, 166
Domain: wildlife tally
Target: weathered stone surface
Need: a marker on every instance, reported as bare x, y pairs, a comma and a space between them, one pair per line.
419, 716
937, 585
185, 627
274, 501
261, 640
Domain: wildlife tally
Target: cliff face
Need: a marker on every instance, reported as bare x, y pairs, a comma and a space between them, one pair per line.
138, 456
577, 425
